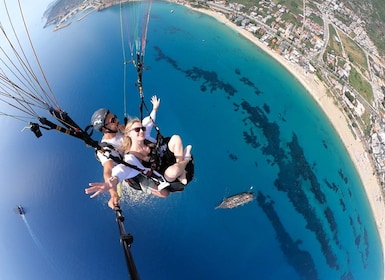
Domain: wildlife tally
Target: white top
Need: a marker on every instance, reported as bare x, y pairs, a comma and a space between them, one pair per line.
148, 122
115, 142
125, 172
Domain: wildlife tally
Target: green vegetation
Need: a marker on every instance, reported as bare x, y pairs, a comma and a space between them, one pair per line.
341, 62
333, 44
270, 21
344, 19
316, 19
364, 122
355, 53
361, 86
373, 13
312, 6
350, 97
289, 17
377, 38
295, 6
366, 118
247, 3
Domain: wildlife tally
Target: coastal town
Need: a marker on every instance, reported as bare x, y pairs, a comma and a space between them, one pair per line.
332, 49
324, 39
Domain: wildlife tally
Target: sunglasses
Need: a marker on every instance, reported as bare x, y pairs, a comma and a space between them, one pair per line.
137, 129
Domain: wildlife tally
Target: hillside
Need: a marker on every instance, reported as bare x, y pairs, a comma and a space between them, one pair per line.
58, 9
373, 13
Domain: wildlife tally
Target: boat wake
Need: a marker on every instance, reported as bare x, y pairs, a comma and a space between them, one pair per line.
32, 234
40, 247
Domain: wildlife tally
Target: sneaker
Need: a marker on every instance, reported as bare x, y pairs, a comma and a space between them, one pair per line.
163, 185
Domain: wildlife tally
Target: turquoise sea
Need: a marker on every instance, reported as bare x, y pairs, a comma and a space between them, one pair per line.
250, 123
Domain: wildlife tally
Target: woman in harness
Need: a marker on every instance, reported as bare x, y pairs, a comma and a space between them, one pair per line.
106, 122
175, 163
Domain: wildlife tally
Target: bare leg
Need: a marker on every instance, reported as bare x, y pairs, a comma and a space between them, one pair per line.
162, 193
187, 152
176, 146
186, 158
177, 170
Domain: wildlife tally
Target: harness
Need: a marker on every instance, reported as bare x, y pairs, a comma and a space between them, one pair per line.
71, 128
107, 148
155, 154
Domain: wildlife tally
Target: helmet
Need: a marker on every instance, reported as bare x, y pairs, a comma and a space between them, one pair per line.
98, 118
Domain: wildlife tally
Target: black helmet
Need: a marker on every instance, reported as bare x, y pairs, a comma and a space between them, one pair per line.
98, 118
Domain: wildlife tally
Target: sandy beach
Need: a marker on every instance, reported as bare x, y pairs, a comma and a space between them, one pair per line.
318, 91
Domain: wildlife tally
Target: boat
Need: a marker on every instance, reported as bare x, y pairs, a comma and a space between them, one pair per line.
20, 210
236, 200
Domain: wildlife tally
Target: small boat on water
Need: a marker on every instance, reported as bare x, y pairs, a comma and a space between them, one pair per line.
20, 210
236, 200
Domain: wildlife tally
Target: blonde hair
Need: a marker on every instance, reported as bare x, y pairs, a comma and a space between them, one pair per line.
127, 142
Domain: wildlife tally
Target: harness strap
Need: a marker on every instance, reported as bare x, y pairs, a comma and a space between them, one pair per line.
79, 133
147, 173
74, 130
155, 158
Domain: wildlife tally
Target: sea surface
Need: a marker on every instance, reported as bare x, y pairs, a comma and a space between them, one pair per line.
251, 124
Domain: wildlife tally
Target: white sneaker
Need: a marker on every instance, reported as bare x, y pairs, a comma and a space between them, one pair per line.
187, 152
163, 185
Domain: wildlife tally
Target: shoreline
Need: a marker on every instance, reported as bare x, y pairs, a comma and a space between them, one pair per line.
318, 91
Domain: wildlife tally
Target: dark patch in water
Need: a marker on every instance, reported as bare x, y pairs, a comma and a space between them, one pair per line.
247, 82
343, 177
366, 244
331, 186
266, 108
296, 177
251, 138
358, 240
359, 220
324, 144
300, 259
250, 84
280, 116
332, 223
294, 173
347, 276
233, 156
211, 81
